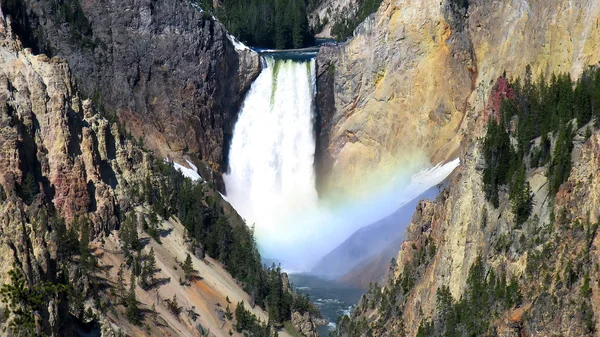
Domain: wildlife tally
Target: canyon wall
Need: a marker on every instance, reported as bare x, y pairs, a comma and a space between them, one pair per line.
551, 257
69, 178
404, 83
419, 77
326, 13
167, 69
54, 148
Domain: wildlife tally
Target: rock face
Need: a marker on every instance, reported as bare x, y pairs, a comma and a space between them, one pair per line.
54, 149
546, 256
304, 324
325, 113
77, 159
167, 69
404, 83
325, 14
374, 269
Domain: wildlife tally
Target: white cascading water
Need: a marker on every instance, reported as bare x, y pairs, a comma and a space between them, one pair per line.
271, 178
271, 174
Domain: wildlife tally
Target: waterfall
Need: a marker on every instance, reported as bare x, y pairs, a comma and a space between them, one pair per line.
271, 175
271, 178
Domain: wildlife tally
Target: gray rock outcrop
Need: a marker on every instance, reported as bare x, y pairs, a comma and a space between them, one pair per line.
169, 70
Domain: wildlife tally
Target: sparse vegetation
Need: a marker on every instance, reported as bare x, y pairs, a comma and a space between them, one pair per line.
173, 306
133, 311
247, 323
345, 25
484, 299
537, 110
24, 299
188, 267
70, 12
535, 127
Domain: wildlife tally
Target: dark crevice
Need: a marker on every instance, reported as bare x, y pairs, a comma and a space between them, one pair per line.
25, 26
111, 148
91, 188
107, 174
325, 109
75, 134
29, 163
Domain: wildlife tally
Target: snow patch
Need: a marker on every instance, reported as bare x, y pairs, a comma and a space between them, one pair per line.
191, 173
428, 178
237, 44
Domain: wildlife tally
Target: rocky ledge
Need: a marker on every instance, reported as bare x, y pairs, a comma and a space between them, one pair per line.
306, 324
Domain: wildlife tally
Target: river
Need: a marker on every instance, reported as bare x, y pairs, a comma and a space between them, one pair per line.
331, 298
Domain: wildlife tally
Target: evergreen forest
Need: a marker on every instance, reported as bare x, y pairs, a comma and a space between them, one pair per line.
281, 24
535, 128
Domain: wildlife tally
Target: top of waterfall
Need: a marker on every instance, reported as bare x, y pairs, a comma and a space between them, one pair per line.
303, 54
297, 54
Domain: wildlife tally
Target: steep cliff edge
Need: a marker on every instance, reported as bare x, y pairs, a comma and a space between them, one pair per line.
403, 84
168, 70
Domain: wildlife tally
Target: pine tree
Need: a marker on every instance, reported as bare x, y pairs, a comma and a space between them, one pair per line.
144, 283
121, 283
148, 270
151, 264
586, 290
588, 133
22, 302
188, 267
520, 196
128, 234
125, 234
582, 100
134, 242
29, 188
497, 153
68, 238
148, 190
276, 310
240, 317
174, 306
87, 260
513, 294
145, 226
299, 24
138, 264
133, 311
152, 226
560, 167
446, 311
